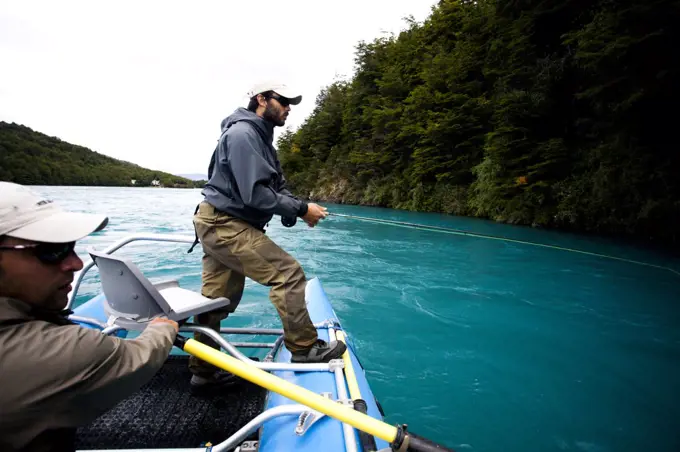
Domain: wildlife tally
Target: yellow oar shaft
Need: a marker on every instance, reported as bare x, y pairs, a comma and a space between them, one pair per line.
294, 392
352, 384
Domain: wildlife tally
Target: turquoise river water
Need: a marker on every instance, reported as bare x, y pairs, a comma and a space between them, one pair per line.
480, 344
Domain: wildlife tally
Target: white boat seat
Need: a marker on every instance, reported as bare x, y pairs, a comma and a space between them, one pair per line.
132, 300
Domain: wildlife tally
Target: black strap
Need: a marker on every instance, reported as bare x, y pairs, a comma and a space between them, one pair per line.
195, 233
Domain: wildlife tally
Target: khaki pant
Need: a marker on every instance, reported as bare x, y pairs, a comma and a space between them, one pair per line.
232, 250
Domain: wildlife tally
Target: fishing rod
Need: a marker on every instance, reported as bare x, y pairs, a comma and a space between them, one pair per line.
493, 237
398, 437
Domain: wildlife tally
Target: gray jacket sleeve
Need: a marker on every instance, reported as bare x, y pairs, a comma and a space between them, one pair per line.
285, 192
254, 175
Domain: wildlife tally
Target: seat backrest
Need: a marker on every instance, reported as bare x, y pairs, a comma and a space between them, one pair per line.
129, 294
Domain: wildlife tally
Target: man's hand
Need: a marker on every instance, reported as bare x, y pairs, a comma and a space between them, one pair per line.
166, 320
314, 213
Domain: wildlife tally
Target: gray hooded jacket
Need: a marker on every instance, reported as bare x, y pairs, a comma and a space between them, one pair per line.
245, 177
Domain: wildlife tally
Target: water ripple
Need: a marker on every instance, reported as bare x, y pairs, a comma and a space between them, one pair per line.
480, 344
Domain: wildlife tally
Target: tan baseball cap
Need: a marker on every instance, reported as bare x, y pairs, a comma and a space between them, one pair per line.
279, 88
26, 215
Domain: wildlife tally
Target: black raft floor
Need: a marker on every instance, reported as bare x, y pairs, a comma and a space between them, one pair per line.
164, 413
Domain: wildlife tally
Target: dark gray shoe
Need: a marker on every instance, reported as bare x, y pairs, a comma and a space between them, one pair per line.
220, 379
321, 352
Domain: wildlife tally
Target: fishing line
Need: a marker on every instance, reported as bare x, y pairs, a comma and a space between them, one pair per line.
425, 227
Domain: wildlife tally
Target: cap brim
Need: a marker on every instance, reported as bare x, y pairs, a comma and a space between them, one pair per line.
294, 100
292, 97
62, 227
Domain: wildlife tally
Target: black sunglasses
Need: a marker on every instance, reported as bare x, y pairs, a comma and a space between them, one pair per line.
48, 253
282, 100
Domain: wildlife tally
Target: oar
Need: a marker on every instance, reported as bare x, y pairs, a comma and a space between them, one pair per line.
398, 438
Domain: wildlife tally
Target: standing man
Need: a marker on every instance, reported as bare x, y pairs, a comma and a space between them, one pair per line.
55, 375
246, 187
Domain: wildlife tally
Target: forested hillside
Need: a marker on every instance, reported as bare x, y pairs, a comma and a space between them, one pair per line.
551, 113
32, 158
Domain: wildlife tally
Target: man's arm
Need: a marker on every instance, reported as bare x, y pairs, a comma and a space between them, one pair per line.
304, 207
66, 376
253, 175
106, 369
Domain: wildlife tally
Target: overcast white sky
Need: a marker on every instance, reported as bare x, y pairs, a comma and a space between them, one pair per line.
150, 81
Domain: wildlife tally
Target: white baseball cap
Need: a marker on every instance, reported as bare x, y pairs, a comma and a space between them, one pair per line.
29, 216
279, 88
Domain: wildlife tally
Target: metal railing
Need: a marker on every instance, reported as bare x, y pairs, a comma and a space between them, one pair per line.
268, 366
118, 245
236, 438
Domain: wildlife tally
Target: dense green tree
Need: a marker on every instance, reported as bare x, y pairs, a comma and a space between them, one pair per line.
555, 113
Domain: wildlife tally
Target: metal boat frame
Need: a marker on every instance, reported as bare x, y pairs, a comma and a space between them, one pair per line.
306, 416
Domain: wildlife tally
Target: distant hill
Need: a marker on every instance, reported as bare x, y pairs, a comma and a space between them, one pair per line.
32, 158
194, 176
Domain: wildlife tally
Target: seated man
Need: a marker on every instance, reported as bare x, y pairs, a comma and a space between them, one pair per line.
56, 375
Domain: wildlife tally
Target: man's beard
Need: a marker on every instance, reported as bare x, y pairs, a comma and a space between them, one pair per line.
273, 115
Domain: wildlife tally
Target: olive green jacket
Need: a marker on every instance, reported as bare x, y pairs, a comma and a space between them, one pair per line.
56, 376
